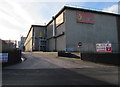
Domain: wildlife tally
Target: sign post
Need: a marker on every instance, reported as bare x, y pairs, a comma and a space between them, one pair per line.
79, 45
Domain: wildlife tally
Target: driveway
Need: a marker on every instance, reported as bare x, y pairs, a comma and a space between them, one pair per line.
39, 70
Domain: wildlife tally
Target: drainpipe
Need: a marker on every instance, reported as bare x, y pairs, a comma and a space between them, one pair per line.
54, 30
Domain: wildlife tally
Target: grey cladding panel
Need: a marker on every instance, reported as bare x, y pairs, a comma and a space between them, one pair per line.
104, 29
50, 30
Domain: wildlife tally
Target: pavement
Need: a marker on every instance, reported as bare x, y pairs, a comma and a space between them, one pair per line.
39, 70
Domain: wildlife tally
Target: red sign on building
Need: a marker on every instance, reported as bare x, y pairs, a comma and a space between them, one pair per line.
85, 18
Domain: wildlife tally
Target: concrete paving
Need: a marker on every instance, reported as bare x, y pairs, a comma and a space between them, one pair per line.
38, 69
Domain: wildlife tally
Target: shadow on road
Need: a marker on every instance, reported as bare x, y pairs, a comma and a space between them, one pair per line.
48, 77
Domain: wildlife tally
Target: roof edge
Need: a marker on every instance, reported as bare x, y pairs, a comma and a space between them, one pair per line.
74, 8
38, 25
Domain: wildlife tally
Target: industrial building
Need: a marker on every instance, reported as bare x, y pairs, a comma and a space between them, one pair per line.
8, 44
36, 39
71, 26
21, 43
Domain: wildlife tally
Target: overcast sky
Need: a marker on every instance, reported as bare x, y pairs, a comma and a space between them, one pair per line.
16, 16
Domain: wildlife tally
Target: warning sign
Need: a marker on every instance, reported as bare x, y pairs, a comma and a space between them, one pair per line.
41, 34
104, 47
79, 43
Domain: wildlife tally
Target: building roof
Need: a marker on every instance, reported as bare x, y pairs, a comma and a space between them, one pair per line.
81, 9
9, 41
37, 26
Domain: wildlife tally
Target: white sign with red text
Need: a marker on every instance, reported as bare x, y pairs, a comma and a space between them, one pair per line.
104, 47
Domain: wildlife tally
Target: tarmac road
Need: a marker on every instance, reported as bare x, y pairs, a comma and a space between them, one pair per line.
42, 70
